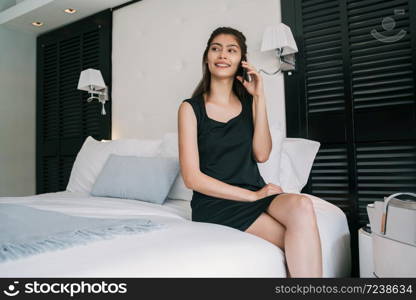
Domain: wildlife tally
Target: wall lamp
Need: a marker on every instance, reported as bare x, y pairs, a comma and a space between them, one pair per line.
92, 81
280, 39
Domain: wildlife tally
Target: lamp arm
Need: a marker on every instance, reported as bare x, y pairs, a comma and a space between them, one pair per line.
282, 58
92, 98
261, 70
101, 95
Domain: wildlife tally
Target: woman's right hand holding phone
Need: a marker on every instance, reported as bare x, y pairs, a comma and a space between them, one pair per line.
268, 190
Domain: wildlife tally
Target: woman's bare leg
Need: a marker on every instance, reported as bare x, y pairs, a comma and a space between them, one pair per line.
268, 229
302, 242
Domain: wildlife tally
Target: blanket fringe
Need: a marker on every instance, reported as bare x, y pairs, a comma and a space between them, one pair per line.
63, 240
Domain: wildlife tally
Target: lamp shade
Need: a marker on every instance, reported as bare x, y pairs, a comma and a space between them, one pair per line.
91, 77
279, 37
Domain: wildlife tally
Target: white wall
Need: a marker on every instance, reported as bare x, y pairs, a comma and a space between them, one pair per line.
157, 54
17, 113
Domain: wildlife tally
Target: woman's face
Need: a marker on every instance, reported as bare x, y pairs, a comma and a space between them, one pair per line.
224, 56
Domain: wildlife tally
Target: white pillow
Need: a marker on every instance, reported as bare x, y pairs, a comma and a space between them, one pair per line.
296, 163
169, 148
270, 169
94, 154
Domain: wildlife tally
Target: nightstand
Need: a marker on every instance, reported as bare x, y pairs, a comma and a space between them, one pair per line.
365, 247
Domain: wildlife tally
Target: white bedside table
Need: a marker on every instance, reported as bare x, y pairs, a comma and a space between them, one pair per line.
365, 246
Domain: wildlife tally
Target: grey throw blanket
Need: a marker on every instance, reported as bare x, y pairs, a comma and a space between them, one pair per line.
26, 231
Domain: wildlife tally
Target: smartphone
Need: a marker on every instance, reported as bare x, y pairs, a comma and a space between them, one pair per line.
243, 71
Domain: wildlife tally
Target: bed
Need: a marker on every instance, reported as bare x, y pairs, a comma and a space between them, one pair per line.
182, 249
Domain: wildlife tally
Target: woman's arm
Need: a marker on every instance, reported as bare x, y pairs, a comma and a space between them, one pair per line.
189, 162
262, 140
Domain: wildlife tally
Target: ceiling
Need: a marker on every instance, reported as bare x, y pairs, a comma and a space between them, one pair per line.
19, 14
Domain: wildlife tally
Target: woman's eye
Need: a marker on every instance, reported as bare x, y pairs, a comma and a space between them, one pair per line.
215, 49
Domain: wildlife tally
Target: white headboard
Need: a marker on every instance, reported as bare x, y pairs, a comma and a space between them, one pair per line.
157, 58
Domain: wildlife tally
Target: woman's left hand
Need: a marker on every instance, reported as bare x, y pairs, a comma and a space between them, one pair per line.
255, 87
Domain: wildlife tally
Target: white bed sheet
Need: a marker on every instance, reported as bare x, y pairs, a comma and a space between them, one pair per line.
183, 249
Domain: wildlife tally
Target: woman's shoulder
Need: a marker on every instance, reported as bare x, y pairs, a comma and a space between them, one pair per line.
193, 100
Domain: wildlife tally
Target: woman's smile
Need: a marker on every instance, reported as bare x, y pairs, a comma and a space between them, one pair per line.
222, 66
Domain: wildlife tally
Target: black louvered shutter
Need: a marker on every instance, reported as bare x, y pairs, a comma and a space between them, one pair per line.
64, 118
325, 91
383, 95
354, 91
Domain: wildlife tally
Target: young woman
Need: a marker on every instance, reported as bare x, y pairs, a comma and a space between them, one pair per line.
223, 133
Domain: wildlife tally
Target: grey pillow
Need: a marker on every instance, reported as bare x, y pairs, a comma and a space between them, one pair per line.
143, 178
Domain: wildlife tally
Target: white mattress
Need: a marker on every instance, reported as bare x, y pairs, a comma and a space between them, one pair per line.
182, 249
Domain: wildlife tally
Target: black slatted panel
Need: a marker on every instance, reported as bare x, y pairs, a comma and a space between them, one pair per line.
64, 117
70, 102
325, 100
50, 116
329, 177
90, 59
381, 69
384, 169
323, 56
383, 95
354, 92
50, 166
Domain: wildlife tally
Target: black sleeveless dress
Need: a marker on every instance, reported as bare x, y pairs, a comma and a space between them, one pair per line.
225, 153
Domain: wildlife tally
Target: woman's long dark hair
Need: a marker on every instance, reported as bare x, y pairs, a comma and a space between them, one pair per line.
205, 83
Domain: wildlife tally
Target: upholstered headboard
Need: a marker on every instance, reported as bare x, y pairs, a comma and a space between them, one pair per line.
157, 58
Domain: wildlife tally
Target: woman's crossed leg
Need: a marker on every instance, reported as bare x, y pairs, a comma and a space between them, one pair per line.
290, 224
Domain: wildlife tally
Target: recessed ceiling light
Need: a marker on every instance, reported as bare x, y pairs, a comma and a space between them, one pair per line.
70, 11
37, 24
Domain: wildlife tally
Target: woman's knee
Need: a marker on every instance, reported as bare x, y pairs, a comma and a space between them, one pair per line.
302, 210
290, 208
304, 204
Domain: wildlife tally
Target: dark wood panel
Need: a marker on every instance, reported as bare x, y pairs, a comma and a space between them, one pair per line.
327, 128
393, 123
384, 168
64, 118
355, 94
